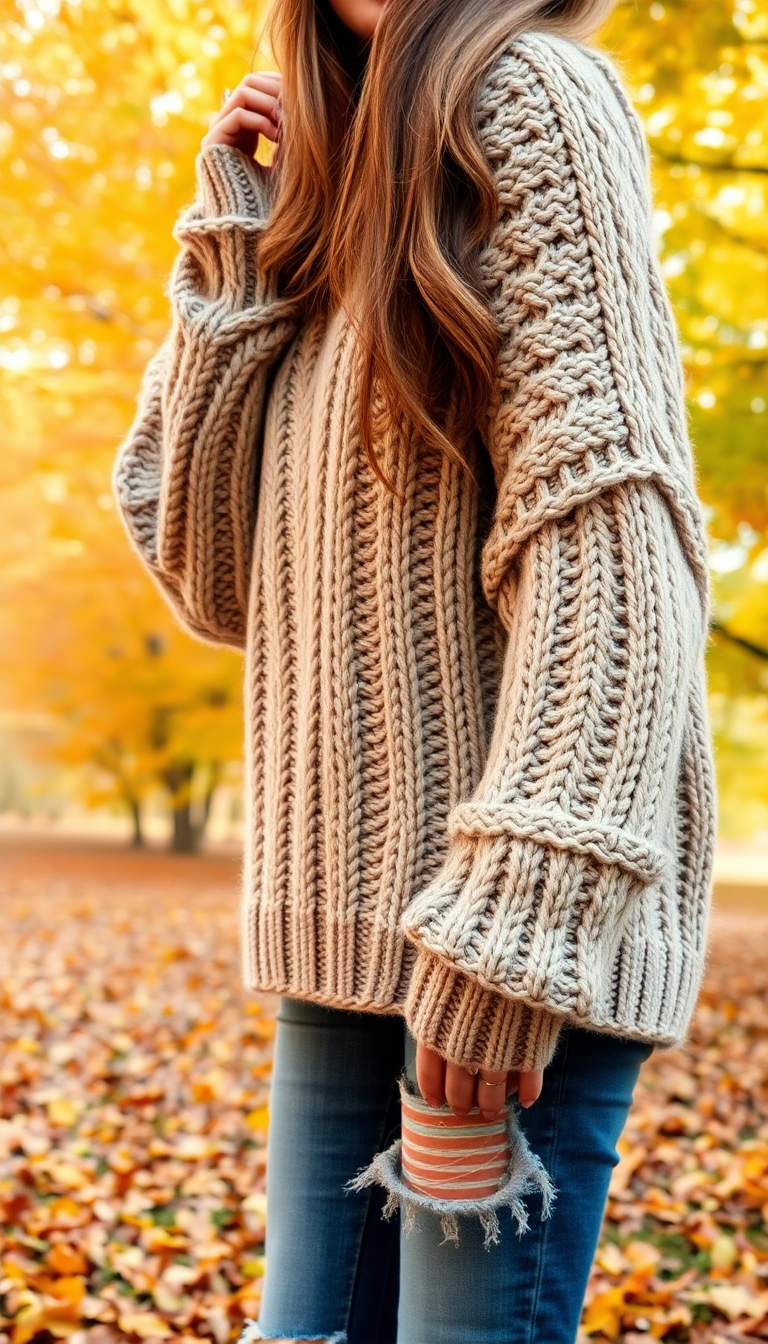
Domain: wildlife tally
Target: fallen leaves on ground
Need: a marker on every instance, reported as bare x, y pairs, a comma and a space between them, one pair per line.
134, 1080
684, 1253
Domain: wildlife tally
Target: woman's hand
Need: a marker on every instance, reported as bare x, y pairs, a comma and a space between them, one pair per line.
440, 1082
251, 110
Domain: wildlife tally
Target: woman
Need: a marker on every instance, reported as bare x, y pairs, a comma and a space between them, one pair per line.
416, 442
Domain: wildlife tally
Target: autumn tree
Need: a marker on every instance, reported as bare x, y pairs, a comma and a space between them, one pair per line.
698, 73
102, 107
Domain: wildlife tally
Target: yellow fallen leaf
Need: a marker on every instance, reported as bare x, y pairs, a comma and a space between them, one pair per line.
210, 1252
63, 1111
192, 1148
724, 1253
258, 1119
144, 1324
28, 1044
98, 1309
248, 1300
642, 1255
610, 1258
630, 1158
10, 1270
60, 1328
166, 1300
70, 1176
161, 1239
734, 1300
29, 1320
122, 1160
253, 1269
62, 1212
256, 1202
182, 1276
660, 1319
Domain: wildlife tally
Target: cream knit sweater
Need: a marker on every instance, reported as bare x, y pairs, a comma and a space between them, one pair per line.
479, 773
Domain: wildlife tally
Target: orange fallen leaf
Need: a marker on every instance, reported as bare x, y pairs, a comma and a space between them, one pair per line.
604, 1313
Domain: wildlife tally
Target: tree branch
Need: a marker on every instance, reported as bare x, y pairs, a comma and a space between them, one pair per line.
755, 649
669, 156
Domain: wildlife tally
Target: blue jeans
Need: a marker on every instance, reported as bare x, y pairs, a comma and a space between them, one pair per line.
336, 1270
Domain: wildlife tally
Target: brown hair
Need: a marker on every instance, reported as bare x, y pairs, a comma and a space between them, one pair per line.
383, 196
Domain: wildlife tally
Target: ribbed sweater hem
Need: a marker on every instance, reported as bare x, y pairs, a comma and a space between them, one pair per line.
406, 992
359, 964
362, 1004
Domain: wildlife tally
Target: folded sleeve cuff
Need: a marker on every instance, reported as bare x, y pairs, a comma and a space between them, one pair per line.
230, 182
605, 843
218, 282
468, 1024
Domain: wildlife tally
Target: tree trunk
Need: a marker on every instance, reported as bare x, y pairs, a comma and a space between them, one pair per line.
178, 781
190, 816
186, 834
134, 807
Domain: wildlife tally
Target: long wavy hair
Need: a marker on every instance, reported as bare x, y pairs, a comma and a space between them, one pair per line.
382, 196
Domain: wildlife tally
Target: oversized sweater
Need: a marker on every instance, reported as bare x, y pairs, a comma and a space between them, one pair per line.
479, 785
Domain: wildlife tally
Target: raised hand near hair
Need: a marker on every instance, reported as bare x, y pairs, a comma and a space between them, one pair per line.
440, 1082
251, 110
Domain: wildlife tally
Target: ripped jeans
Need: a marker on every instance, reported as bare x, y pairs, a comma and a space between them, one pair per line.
336, 1270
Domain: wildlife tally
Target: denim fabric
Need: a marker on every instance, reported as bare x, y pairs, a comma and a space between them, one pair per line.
335, 1270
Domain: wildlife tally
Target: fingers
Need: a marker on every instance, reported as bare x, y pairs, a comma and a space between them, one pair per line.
430, 1075
529, 1087
255, 95
459, 1089
251, 110
271, 80
241, 128
491, 1093
440, 1082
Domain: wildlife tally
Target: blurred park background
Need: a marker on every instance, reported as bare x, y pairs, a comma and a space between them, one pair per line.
133, 1069
111, 718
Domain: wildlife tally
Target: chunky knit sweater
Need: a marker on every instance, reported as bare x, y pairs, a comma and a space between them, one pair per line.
479, 776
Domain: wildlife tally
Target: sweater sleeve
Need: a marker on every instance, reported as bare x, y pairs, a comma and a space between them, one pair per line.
595, 563
186, 474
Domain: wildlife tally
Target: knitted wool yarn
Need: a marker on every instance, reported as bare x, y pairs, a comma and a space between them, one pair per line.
479, 774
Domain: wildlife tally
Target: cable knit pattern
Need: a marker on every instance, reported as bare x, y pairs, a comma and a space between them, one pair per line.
479, 771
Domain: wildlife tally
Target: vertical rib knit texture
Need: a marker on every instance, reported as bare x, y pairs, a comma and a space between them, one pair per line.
479, 781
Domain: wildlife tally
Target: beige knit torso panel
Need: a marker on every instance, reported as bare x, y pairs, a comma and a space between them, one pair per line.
374, 650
